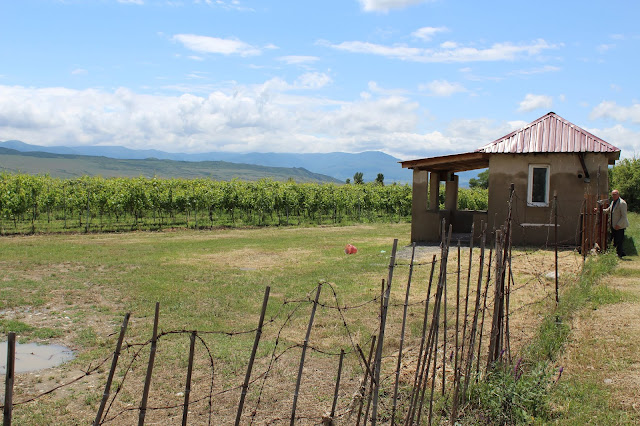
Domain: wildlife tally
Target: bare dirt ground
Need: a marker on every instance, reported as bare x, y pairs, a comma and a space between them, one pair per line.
605, 343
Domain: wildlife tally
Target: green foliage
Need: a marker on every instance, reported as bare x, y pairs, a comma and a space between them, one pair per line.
14, 326
512, 395
473, 198
380, 179
552, 336
357, 178
625, 177
481, 182
27, 331
40, 203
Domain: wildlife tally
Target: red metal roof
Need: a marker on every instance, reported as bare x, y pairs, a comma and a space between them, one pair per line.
549, 133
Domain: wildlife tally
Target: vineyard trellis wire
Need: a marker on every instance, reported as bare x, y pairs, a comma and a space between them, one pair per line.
419, 364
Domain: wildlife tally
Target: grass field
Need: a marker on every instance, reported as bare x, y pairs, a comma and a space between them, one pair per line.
75, 290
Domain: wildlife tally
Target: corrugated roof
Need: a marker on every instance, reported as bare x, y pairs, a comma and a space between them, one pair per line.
549, 133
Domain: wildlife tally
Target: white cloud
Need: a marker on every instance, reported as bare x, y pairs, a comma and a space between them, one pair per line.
427, 33
222, 46
386, 5
298, 59
452, 53
469, 134
610, 109
538, 70
621, 137
374, 87
602, 48
265, 117
532, 102
449, 45
228, 5
139, 2
312, 80
442, 88
79, 71
275, 116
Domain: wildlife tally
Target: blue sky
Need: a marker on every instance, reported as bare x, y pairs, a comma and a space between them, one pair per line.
412, 78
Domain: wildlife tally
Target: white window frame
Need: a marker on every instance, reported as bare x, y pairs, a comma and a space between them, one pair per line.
530, 201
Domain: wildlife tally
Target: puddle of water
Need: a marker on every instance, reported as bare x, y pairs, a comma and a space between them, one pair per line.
33, 357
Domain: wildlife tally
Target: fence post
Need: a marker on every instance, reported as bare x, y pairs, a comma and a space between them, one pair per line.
383, 323
367, 373
304, 353
335, 395
555, 214
422, 353
114, 363
187, 386
402, 332
9, 378
247, 377
152, 356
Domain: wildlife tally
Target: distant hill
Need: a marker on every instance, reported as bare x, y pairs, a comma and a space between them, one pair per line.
74, 165
338, 165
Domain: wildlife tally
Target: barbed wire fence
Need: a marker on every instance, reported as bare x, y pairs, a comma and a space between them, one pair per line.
415, 362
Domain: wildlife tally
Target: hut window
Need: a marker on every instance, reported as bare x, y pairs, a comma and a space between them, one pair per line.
538, 187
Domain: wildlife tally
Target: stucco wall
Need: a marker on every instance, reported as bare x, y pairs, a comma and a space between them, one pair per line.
565, 168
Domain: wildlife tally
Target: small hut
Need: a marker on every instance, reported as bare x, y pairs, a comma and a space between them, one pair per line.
551, 163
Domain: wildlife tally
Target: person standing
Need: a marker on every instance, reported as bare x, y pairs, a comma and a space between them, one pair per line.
617, 211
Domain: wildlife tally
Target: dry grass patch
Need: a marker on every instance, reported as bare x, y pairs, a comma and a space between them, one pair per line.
248, 258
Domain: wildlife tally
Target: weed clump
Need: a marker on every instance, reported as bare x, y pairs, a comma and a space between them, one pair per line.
512, 395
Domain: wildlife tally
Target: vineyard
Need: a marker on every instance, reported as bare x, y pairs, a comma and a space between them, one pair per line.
44, 204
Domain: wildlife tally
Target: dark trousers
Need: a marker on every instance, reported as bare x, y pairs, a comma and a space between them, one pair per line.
617, 236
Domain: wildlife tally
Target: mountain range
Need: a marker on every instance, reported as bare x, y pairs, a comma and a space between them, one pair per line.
96, 160
111, 161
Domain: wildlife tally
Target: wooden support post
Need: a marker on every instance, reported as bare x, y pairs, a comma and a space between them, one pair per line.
402, 332
256, 341
335, 393
187, 386
304, 353
555, 214
114, 363
383, 323
152, 356
9, 379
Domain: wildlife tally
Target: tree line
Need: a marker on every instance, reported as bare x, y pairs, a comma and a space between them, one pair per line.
625, 177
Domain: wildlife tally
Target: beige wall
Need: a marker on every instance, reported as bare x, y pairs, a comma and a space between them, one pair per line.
505, 169
419, 205
426, 219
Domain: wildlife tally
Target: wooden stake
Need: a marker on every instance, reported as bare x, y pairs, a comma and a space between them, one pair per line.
9, 379
383, 323
417, 380
402, 332
335, 394
152, 356
187, 386
304, 352
256, 341
114, 363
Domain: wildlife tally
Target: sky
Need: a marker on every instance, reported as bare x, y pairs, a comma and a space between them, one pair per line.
411, 78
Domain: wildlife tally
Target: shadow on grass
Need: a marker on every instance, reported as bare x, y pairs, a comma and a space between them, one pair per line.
629, 246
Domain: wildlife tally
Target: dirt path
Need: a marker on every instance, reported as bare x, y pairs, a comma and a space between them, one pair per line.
605, 342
